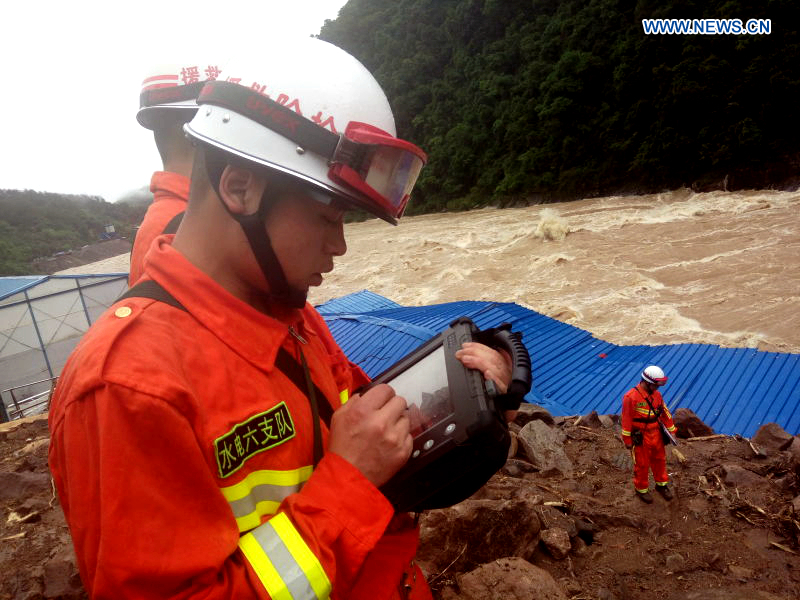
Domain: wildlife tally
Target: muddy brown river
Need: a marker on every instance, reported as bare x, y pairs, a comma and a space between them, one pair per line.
677, 267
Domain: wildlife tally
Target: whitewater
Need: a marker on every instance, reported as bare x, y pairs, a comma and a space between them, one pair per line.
679, 267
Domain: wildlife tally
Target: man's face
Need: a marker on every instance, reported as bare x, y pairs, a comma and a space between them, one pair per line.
305, 235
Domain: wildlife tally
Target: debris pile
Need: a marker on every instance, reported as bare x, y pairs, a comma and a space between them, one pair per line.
560, 521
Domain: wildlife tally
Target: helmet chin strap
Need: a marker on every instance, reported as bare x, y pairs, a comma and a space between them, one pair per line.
258, 238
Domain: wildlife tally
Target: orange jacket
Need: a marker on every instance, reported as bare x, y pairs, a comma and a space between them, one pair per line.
183, 457
170, 198
634, 406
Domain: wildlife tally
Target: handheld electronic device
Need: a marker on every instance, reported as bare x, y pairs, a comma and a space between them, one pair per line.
460, 435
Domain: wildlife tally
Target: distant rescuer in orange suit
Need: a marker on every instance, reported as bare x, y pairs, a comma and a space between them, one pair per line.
642, 409
167, 101
189, 440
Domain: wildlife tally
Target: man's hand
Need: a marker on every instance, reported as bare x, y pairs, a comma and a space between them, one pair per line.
494, 364
371, 432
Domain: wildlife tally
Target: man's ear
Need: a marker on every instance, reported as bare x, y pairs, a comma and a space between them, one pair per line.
241, 190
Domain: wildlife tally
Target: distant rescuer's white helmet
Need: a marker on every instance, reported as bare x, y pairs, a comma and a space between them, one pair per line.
654, 375
310, 110
170, 90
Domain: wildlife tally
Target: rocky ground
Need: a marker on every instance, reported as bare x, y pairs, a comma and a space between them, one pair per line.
559, 521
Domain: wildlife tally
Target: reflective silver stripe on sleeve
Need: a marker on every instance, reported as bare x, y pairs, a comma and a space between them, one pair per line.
262, 493
281, 566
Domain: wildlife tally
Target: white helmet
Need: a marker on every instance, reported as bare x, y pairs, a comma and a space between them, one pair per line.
654, 375
171, 89
312, 111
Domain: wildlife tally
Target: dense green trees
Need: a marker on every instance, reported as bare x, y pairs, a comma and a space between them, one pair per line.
558, 99
34, 224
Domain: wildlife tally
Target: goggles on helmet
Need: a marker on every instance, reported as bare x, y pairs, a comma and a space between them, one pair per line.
378, 165
365, 159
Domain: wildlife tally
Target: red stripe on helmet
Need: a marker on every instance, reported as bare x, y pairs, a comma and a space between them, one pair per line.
159, 77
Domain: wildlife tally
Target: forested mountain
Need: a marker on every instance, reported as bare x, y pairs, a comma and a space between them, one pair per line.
34, 224
554, 99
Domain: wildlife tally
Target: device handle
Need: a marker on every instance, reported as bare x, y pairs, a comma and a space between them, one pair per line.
503, 338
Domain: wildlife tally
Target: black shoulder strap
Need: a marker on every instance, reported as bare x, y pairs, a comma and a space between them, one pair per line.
152, 289
284, 361
656, 413
174, 222
171, 227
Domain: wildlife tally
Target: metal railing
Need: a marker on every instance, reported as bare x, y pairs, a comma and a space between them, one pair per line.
33, 404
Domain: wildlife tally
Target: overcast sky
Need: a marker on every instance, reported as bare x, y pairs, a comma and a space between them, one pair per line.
72, 73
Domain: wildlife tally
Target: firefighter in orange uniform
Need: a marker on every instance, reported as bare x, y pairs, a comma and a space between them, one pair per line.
205, 438
167, 101
643, 409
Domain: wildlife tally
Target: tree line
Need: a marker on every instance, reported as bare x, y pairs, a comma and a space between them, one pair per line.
37, 224
557, 99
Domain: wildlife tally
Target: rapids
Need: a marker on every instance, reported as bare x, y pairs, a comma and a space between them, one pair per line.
678, 267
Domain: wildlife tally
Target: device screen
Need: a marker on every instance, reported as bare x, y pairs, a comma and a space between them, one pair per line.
425, 388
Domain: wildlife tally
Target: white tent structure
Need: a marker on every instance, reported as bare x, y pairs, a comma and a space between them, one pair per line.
42, 318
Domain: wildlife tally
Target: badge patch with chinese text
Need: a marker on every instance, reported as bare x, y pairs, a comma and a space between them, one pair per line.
261, 432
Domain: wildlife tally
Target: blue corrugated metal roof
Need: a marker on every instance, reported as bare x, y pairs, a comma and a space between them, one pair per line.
363, 301
13, 285
734, 390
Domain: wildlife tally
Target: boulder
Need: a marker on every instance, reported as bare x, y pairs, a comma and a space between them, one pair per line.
736, 476
689, 424
591, 420
578, 547
514, 446
794, 449
557, 542
18, 487
517, 468
571, 586
609, 421
786, 483
796, 504
550, 517
61, 578
499, 487
533, 412
623, 461
475, 532
740, 572
544, 449
511, 578
771, 438
605, 518
674, 563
